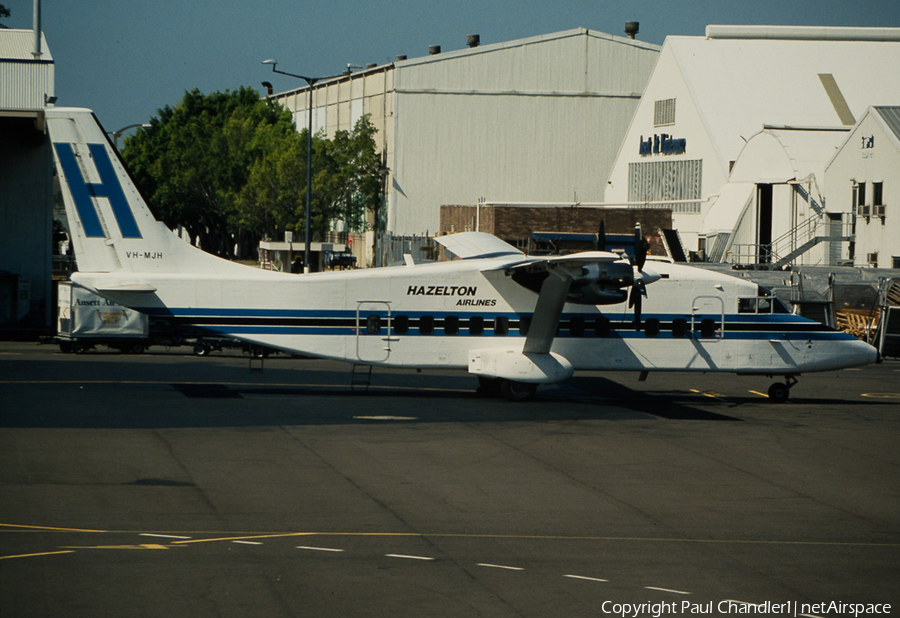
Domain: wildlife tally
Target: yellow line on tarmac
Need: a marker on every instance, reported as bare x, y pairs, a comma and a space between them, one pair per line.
49, 528
46, 553
242, 538
758, 393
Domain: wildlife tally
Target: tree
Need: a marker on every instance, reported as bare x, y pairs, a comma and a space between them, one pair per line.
348, 180
194, 160
4, 12
231, 168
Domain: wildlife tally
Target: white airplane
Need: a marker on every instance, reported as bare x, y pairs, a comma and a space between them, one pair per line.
511, 320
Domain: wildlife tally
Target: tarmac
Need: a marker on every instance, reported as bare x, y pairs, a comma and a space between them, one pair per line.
165, 484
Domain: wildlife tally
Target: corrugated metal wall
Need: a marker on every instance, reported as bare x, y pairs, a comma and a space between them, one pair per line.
540, 119
24, 80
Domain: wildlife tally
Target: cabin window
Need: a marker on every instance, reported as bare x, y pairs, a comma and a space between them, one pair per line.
601, 327
401, 324
476, 325
707, 328
651, 327
373, 324
451, 325
679, 327
426, 325
501, 325
576, 327
524, 323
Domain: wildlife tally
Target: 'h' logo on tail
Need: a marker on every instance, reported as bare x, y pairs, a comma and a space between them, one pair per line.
108, 187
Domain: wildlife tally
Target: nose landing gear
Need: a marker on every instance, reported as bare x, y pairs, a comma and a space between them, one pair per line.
780, 391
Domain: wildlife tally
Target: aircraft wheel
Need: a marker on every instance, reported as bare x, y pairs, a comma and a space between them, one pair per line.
79, 348
517, 391
779, 392
136, 348
489, 387
201, 349
65, 347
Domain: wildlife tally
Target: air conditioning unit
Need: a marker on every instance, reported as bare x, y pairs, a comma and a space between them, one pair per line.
878, 210
863, 210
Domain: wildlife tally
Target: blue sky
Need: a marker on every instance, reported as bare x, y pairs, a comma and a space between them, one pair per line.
125, 59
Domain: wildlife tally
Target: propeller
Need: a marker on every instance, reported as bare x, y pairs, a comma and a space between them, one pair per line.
601, 237
639, 286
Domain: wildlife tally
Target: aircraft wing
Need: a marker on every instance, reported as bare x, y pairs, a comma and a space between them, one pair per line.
558, 280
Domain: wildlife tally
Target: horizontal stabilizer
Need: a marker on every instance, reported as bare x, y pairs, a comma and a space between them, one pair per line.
471, 245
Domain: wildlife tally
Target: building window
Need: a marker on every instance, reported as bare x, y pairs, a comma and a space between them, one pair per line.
895, 261
664, 113
862, 209
872, 259
877, 204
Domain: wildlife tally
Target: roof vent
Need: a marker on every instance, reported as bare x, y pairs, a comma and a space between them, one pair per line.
434, 50
631, 28
399, 58
473, 40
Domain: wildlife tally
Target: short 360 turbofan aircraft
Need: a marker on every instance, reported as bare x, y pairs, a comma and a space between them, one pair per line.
514, 322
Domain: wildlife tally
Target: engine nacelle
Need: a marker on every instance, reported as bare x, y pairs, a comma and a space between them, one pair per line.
605, 283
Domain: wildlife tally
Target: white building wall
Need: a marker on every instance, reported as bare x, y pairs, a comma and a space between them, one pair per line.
667, 83
733, 83
873, 159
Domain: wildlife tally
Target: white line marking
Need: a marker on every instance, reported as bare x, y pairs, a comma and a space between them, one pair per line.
248, 542
590, 579
318, 548
499, 566
666, 590
163, 536
409, 557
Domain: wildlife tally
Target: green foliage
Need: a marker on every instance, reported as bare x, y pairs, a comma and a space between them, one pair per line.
347, 180
231, 165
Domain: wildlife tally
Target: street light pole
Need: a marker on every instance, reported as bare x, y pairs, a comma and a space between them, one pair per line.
117, 134
310, 81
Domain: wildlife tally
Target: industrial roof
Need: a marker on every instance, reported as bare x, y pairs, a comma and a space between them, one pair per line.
18, 45
891, 118
741, 84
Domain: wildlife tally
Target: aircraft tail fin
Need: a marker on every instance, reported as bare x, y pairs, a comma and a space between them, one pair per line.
111, 227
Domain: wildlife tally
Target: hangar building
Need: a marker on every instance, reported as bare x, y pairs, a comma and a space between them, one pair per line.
26, 181
735, 129
532, 120
863, 180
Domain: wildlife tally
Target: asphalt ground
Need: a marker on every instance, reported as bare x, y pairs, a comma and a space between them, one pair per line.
165, 484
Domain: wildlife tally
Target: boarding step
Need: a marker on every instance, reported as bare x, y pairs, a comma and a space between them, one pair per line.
360, 376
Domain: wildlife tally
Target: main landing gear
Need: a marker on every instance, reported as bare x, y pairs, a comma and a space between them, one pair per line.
780, 391
508, 389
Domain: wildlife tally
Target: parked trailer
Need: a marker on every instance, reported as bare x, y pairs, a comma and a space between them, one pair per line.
86, 320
